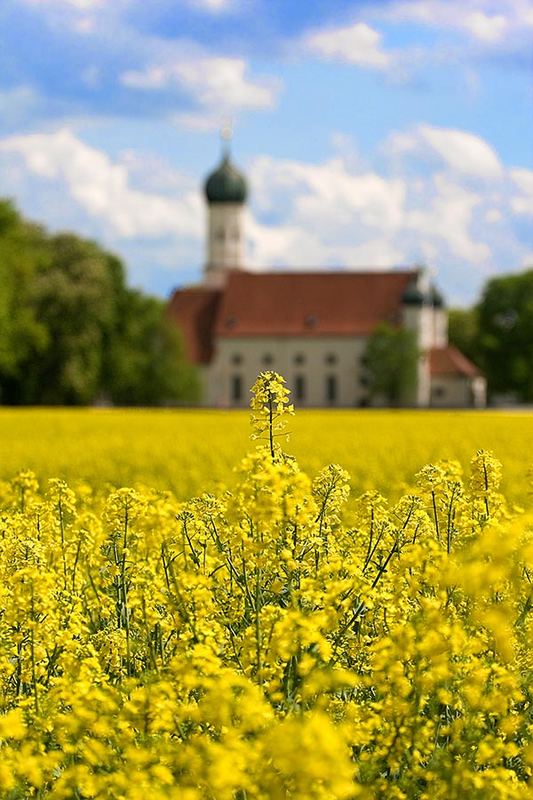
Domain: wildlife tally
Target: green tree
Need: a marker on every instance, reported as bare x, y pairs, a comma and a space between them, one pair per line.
146, 363
505, 314
72, 332
75, 298
463, 330
22, 333
391, 361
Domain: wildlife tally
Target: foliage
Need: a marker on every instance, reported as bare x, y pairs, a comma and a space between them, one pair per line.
497, 334
146, 359
391, 362
506, 334
261, 643
72, 332
21, 331
463, 330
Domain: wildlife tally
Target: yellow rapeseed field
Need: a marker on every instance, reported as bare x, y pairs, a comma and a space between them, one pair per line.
293, 634
189, 452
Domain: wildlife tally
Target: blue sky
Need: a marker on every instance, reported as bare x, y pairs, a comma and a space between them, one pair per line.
373, 134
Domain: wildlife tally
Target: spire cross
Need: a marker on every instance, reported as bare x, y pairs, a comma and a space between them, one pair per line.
226, 134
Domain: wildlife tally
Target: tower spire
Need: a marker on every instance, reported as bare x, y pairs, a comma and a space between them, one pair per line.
226, 135
225, 192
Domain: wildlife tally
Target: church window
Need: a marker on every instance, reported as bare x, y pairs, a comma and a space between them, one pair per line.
268, 359
236, 358
236, 388
299, 388
331, 358
299, 358
331, 389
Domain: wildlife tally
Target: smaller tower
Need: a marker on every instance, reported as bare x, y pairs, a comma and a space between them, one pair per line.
440, 319
418, 317
226, 192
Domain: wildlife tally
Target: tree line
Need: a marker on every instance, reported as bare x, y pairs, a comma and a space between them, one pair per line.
497, 334
73, 332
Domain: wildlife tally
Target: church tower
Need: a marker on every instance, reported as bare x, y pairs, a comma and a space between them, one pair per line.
225, 192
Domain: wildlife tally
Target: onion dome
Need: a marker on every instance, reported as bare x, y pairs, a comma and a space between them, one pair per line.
435, 297
226, 184
412, 296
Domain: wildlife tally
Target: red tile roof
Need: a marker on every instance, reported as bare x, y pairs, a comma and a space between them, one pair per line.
194, 311
309, 303
450, 361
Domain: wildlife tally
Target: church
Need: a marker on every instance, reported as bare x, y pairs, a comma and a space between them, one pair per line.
310, 326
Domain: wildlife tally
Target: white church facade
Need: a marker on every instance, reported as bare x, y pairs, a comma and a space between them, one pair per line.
310, 326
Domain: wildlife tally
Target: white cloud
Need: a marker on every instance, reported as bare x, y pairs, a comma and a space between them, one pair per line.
523, 181
82, 17
447, 216
102, 188
336, 213
80, 5
328, 193
493, 215
212, 6
217, 84
462, 152
489, 22
361, 218
341, 213
357, 44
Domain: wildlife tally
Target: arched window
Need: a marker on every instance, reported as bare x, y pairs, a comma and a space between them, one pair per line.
331, 389
299, 388
236, 388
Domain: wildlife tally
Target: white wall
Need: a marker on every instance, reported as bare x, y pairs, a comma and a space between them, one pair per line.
225, 241
348, 370
458, 391
440, 327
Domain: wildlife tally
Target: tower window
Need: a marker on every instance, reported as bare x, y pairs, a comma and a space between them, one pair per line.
299, 387
331, 389
236, 388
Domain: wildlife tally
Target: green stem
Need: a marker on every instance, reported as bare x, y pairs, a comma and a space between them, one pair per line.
271, 424
258, 627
